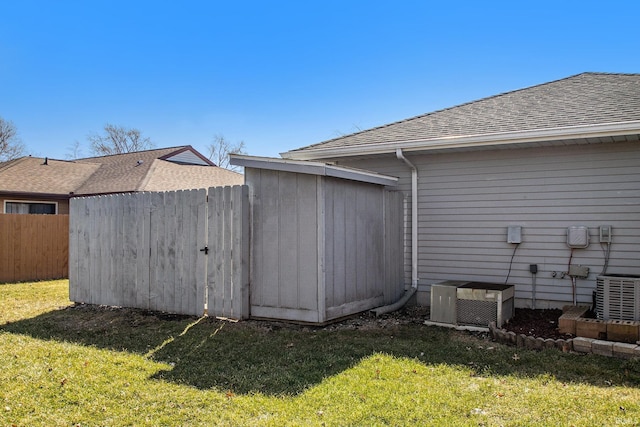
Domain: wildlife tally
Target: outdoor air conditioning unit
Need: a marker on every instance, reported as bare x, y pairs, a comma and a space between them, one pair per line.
618, 297
471, 303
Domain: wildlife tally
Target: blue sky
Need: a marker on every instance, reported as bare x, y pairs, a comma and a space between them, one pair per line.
281, 75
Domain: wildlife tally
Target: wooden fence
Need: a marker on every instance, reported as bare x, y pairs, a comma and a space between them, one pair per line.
33, 247
182, 252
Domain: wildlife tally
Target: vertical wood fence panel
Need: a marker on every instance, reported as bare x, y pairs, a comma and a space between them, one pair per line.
144, 250
33, 247
228, 260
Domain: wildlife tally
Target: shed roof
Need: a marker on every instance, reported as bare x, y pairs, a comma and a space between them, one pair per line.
313, 168
581, 106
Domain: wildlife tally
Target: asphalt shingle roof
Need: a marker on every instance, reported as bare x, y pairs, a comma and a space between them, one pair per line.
33, 175
130, 172
121, 172
583, 99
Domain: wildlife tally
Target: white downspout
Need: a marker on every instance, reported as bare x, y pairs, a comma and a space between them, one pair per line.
414, 242
414, 218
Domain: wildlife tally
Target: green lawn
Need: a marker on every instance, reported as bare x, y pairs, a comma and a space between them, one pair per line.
97, 366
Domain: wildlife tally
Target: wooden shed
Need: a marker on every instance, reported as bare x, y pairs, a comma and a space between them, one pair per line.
326, 241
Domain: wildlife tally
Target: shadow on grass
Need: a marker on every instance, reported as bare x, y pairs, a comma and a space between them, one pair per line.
275, 358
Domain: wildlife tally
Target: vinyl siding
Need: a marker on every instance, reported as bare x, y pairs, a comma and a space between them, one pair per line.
466, 201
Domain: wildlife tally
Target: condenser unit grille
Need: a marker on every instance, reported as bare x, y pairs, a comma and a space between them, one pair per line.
618, 297
474, 312
480, 303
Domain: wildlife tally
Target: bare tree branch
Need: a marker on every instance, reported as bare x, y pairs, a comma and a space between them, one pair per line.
220, 149
11, 147
118, 140
74, 151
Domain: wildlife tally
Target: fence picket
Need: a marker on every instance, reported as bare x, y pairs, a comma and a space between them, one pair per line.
215, 270
199, 257
240, 252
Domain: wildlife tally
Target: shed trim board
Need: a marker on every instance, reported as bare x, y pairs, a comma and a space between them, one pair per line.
311, 168
322, 283
468, 199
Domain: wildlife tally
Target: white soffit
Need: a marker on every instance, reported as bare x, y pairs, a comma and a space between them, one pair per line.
312, 168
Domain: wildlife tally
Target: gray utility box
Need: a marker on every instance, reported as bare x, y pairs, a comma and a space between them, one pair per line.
444, 301
482, 303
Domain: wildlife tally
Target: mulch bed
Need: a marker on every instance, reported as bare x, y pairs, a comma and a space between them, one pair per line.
537, 323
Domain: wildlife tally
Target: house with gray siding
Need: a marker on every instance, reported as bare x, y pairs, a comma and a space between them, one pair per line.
559, 162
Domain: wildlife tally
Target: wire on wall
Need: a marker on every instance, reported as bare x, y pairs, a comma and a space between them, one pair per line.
511, 262
607, 254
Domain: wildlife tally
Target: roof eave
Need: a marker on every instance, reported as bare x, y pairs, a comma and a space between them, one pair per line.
471, 141
36, 195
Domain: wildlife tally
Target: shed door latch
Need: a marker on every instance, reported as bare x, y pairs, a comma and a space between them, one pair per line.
205, 250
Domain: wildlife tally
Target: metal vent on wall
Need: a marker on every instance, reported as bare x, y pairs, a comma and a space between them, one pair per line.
618, 297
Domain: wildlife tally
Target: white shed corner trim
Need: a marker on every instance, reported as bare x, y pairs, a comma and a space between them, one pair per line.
312, 168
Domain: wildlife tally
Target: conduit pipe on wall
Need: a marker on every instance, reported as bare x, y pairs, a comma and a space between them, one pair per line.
414, 242
414, 217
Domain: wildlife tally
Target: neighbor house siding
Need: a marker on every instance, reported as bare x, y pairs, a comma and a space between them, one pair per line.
467, 200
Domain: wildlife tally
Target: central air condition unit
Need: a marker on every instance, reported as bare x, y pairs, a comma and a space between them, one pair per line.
618, 297
471, 303
482, 303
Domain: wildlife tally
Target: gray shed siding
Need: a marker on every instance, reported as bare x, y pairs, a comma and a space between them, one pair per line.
468, 199
284, 260
322, 247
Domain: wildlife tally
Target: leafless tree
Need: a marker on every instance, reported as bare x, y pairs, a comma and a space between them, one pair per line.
74, 151
11, 147
118, 140
220, 149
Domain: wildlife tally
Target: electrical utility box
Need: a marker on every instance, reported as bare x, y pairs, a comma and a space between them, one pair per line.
514, 234
578, 236
605, 234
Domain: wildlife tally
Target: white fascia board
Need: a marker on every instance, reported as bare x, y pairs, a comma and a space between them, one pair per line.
311, 168
471, 141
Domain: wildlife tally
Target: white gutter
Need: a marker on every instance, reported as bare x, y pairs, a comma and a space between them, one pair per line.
471, 141
414, 218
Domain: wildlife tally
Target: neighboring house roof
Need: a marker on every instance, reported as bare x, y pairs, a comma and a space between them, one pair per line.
163, 169
588, 105
34, 175
165, 176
